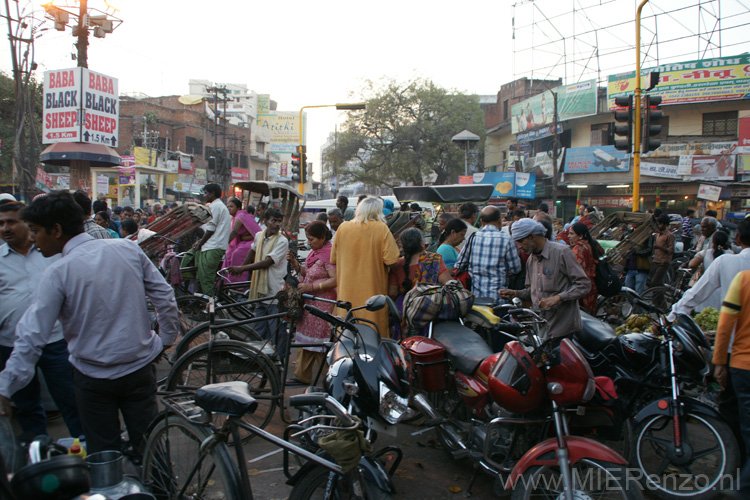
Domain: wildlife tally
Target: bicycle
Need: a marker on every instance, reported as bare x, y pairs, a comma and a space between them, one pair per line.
186, 456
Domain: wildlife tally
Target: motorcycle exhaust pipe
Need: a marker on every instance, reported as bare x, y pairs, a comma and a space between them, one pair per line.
424, 406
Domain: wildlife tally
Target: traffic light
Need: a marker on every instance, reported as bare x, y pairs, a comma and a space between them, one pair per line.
624, 123
303, 166
651, 123
296, 166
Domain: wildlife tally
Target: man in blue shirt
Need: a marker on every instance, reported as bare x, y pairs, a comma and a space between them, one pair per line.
21, 267
491, 255
113, 355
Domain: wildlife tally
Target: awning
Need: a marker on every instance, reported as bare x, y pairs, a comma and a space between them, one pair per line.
62, 153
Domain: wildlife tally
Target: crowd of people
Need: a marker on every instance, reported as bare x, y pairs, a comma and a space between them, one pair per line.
98, 365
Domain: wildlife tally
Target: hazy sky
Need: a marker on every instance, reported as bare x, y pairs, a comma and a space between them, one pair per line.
465, 45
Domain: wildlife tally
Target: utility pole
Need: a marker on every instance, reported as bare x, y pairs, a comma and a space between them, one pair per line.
555, 154
83, 34
637, 112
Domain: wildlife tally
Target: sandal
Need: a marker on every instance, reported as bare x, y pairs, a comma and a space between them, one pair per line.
294, 382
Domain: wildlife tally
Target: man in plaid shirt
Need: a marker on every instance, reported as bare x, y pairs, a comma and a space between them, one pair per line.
491, 254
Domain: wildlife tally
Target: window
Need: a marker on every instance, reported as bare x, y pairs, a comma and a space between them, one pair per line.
601, 134
723, 123
260, 147
193, 146
259, 175
505, 109
243, 162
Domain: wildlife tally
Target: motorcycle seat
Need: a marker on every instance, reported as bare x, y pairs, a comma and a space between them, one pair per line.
369, 341
485, 301
230, 398
465, 347
595, 334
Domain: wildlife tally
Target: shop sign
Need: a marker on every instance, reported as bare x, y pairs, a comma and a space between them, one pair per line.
654, 169
710, 168
704, 80
737, 215
101, 105
696, 148
240, 174
465, 179
740, 191
610, 201
525, 185
573, 101
172, 166
127, 176
43, 180
596, 159
525, 137
650, 189
127, 160
186, 164
102, 184
743, 144
709, 192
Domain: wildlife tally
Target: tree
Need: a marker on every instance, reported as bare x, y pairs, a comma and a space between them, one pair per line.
404, 135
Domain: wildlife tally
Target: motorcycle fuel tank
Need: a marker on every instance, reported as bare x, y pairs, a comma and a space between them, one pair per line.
639, 350
475, 394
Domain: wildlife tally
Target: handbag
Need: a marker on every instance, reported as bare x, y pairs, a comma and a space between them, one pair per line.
461, 271
427, 302
607, 281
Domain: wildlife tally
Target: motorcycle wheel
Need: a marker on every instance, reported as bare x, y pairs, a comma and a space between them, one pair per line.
450, 406
313, 485
696, 477
591, 479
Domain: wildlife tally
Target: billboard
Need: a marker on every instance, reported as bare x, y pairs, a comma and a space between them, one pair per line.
705, 80
284, 129
509, 184
710, 168
596, 159
61, 115
80, 105
573, 101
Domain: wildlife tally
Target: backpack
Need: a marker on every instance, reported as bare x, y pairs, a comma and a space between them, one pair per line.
607, 281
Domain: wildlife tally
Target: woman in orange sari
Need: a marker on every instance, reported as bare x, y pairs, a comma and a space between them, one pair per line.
587, 251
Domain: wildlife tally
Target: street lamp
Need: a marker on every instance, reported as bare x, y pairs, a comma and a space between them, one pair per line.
356, 106
466, 140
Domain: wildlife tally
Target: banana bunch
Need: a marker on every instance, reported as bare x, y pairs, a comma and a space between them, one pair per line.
707, 319
635, 323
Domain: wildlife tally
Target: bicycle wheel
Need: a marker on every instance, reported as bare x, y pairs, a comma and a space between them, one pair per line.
170, 463
660, 295
202, 334
230, 360
193, 311
708, 457
315, 482
591, 479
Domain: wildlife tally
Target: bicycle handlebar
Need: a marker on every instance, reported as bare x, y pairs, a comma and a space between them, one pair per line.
339, 303
323, 399
330, 318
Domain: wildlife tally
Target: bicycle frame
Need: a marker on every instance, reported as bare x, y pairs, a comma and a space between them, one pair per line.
231, 427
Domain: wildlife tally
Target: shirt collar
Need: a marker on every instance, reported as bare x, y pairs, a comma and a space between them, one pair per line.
745, 250
6, 250
490, 227
544, 254
76, 241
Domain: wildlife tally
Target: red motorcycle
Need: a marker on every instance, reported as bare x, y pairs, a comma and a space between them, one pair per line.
500, 409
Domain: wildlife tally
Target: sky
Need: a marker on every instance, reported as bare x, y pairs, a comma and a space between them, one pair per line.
306, 53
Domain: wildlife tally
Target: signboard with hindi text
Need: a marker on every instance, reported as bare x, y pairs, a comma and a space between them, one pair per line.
704, 80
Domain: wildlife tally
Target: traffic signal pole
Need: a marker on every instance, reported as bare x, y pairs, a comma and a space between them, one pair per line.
637, 112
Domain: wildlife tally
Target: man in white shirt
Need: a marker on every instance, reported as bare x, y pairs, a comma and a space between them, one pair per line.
210, 250
267, 262
112, 347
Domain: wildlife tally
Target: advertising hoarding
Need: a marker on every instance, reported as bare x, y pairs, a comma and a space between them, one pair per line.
101, 108
705, 80
573, 101
509, 184
709, 168
284, 129
596, 159
61, 115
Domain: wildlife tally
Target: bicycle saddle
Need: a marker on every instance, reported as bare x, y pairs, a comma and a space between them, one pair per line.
229, 398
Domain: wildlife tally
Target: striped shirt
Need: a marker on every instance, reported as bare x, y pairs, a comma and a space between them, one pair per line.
492, 259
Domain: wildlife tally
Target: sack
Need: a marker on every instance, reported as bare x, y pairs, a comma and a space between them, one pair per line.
607, 281
461, 272
427, 302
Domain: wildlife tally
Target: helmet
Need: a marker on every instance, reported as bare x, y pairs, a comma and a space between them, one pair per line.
574, 375
516, 382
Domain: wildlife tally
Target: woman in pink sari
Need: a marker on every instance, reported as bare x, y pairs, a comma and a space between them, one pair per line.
244, 229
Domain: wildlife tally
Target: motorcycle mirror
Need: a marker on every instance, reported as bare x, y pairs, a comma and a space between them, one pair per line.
393, 311
517, 302
375, 303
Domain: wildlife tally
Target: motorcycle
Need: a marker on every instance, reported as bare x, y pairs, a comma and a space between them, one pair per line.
498, 409
667, 435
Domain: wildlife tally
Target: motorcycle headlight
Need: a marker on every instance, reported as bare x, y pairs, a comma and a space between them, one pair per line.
392, 406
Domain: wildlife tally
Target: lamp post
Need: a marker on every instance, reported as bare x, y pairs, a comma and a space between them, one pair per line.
341, 107
466, 140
